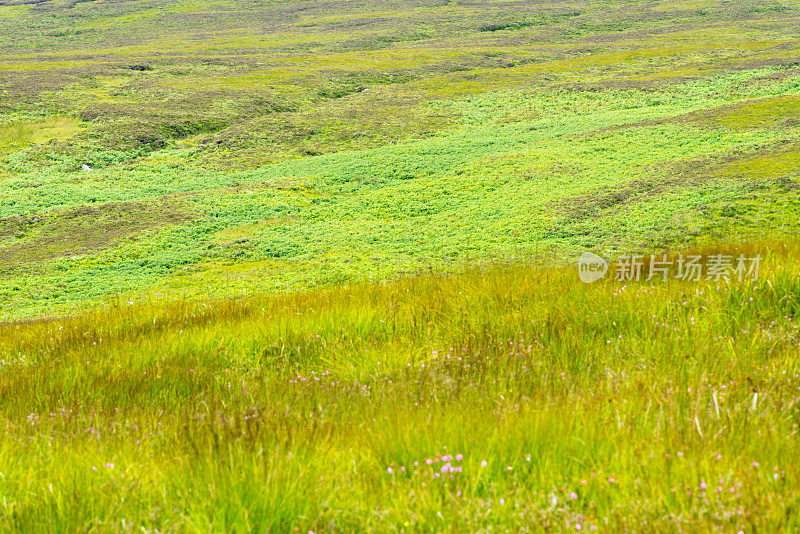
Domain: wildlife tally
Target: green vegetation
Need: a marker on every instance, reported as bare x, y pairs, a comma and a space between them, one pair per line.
207, 206
302, 144
639, 406
17, 135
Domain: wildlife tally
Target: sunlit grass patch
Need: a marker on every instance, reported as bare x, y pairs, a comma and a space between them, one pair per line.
16, 135
773, 112
123, 20
776, 162
14, 11
43, 65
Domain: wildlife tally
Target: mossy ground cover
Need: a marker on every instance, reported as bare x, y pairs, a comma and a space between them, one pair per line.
233, 199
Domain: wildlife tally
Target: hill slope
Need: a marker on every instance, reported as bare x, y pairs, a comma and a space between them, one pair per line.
240, 147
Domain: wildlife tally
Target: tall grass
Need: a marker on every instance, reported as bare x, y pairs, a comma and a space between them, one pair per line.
563, 406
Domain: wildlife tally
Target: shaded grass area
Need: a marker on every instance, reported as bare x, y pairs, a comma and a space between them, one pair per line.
643, 405
80, 231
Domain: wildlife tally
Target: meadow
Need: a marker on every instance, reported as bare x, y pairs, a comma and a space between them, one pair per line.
300, 265
514, 398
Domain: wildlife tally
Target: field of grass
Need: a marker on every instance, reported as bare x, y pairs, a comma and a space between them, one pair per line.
511, 397
306, 144
306, 265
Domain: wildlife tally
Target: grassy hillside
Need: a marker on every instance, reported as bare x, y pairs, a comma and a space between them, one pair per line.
238, 147
564, 406
308, 266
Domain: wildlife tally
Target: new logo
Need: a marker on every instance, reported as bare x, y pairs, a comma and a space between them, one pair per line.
591, 267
